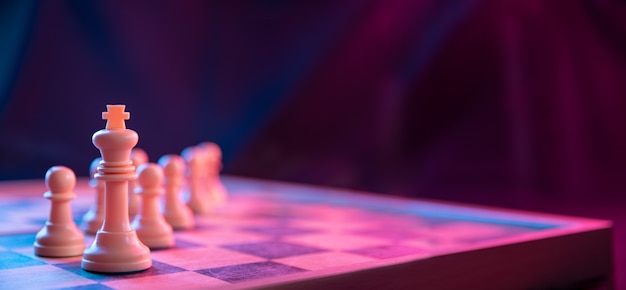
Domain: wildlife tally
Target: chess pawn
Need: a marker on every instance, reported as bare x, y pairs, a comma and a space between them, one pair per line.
176, 213
214, 152
60, 237
92, 220
197, 197
138, 156
149, 223
213, 164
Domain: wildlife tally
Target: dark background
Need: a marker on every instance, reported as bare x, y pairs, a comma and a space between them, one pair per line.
510, 103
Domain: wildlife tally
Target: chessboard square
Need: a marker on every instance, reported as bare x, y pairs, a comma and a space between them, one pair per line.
29, 252
238, 220
30, 212
202, 258
219, 237
157, 268
74, 267
330, 214
274, 214
253, 271
181, 280
202, 226
390, 233
278, 230
10, 260
18, 204
234, 212
97, 286
40, 277
391, 251
337, 241
17, 226
182, 244
432, 245
273, 249
324, 260
17, 241
326, 226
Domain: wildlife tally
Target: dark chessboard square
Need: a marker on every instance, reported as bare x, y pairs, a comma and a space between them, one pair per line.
386, 252
245, 272
182, 244
277, 231
273, 249
157, 268
203, 227
10, 260
285, 215
17, 241
87, 287
391, 234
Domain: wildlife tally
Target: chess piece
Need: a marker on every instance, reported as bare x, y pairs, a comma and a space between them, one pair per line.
197, 197
116, 247
175, 212
149, 223
92, 220
213, 165
138, 156
60, 237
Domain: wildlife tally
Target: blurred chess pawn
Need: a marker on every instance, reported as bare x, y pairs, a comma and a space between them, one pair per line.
197, 197
93, 219
149, 223
60, 237
138, 156
176, 213
213, 162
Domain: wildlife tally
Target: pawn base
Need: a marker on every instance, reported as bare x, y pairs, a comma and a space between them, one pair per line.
200, 206
57, 240
180, 218
158, 242
154, 233
116, 252
59, 251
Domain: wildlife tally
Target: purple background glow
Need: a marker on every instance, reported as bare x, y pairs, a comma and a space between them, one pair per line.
513, 103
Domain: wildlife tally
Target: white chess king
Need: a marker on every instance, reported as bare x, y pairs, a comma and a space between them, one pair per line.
116, 247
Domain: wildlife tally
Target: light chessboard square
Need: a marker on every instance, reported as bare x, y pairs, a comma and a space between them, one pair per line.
204, 257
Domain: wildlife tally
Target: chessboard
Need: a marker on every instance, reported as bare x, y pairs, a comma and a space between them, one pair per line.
289, 236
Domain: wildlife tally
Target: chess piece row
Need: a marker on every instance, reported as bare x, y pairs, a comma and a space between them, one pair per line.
153, 223
121, 246
199, 170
